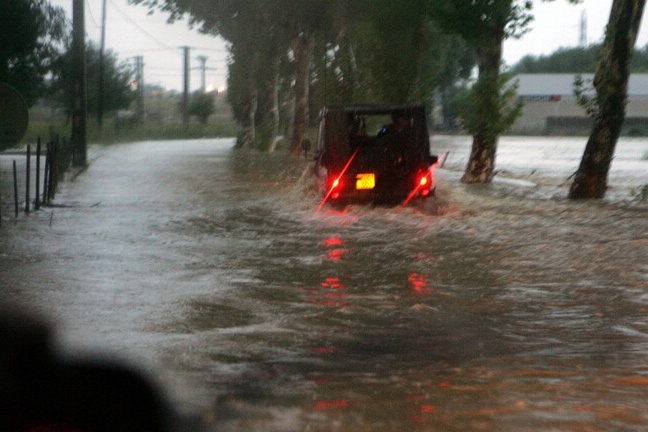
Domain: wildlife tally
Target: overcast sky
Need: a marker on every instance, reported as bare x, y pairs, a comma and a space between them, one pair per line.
131, 32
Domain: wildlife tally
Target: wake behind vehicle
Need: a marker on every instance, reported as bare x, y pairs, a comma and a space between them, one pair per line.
377, 154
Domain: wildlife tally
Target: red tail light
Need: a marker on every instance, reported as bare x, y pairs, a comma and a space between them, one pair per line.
335, 184
424, 179
422, 187
427, 183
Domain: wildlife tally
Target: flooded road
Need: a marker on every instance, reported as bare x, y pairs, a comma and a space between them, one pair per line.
501, 308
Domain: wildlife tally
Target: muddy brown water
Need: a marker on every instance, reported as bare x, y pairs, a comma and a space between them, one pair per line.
504, 307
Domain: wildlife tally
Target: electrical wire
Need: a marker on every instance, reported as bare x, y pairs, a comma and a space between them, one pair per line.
92, 17
135, 24
147, 50
218, 50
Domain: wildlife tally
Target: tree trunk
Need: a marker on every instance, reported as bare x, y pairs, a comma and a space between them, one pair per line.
482, 160
272, 94
611, 83
248, 123
302, 49
481, 164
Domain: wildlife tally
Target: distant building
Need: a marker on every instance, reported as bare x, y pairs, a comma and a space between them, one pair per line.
550, 105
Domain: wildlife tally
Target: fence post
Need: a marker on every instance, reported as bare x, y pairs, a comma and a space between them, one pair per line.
37, 191
27, 175
15, 179
53, 168
46, 174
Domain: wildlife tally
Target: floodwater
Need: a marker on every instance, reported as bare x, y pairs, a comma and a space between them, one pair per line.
499, 308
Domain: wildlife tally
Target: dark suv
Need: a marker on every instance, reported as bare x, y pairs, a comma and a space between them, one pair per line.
378, 154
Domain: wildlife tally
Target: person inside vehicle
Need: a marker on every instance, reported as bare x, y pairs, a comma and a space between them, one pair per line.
395, 140
399, 124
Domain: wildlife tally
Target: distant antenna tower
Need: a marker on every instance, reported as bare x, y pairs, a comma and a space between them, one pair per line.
583, 30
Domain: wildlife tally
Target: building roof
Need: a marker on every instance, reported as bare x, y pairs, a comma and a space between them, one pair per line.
563, 84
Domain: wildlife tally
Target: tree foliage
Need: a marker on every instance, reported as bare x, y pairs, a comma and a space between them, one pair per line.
202, 106
341, 51
485, 24
575, 60
392, 53
31, 35
564, 60
117, 81
489, 116
291, 57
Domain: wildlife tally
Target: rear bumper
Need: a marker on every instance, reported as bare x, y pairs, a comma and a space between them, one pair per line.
390, 190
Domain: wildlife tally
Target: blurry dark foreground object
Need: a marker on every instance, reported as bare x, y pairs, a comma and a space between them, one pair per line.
43, 392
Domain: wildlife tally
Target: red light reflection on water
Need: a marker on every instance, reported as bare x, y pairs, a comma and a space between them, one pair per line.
336, 254
424, 415
333, 283
331, 404
324, 350
331, 294
419, 285
336, 212
427, 409
422, 410
332, 241
334, 250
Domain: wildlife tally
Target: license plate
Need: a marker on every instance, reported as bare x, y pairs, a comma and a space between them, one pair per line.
365, 181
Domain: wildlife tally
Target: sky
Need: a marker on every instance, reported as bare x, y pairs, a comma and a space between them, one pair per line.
131, 32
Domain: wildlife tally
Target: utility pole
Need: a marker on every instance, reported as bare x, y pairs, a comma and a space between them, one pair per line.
139, 100
79, 102
203, 70
102, 68
582, 40
185, 94
203, 67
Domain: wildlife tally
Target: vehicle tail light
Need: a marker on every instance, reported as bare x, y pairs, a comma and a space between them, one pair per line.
336, 182
424, 183
334, 186
422, 186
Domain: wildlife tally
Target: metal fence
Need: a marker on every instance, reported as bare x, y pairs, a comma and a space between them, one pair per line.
29, 177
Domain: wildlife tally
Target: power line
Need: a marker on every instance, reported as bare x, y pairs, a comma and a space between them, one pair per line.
162, 68
179, 74
129, 19
92, 17
146, 50
218, 50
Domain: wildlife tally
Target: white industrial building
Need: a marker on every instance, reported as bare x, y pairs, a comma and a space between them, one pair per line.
550, 105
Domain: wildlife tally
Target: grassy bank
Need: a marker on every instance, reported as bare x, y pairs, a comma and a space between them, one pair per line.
113, 132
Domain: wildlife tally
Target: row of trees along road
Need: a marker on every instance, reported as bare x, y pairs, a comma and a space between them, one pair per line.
290, 55
575, 60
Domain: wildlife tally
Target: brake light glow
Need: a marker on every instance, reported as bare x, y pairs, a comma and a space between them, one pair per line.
421, 186
336, 182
